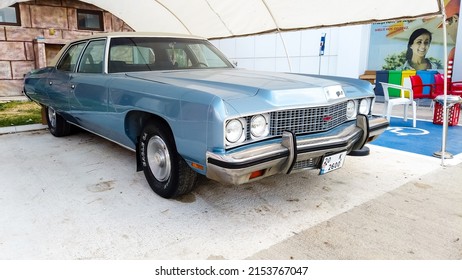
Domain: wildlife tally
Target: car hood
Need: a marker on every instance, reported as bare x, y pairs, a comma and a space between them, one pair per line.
238, 87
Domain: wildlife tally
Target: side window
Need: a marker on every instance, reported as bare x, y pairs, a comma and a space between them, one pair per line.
126, 55
69, 60
93, 57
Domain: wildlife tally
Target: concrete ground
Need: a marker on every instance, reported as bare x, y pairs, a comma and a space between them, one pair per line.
79, 197
421, 219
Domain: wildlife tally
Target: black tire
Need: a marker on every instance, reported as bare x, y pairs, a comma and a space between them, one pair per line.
165, 170
57, 125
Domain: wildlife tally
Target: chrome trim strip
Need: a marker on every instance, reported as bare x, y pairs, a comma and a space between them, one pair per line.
289, 140
104, 137
274, 158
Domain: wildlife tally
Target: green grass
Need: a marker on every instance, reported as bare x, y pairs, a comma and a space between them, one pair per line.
19, 113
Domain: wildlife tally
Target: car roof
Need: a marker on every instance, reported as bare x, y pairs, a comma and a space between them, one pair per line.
138, 34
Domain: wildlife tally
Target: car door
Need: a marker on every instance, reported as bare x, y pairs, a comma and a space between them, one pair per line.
59, 88
89, 93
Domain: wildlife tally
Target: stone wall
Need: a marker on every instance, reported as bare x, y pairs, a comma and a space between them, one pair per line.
43, 22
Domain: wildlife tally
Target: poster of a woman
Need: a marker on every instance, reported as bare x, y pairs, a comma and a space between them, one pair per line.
413, 44
417, 48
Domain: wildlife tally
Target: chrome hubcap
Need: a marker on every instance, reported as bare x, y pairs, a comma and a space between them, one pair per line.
52, 116
159, 158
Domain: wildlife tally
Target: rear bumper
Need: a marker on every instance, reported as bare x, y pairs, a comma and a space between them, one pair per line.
292, 153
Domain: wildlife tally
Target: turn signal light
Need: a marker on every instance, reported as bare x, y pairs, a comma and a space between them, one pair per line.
257, 174
197, 165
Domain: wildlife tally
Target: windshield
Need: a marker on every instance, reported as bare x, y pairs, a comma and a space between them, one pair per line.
150, 54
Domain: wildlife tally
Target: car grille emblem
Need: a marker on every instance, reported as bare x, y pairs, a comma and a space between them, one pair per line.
327, 118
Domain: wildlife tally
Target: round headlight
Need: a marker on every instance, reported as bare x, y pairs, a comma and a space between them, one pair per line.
364, 106
259, 126
234, 131
351, 109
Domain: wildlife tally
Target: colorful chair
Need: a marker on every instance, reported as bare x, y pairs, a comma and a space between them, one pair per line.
418, 88
454, 88
402, 100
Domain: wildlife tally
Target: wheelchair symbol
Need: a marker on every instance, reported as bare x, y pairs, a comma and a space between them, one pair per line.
405, 131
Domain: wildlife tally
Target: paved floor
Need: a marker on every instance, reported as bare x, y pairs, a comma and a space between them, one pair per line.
422, 219
79, 197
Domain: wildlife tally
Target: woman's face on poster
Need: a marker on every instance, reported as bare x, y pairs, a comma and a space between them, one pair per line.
421, 45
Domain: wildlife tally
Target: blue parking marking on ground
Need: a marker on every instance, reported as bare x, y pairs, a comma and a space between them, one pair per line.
424, 139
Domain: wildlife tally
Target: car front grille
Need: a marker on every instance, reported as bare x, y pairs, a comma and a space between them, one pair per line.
308, 120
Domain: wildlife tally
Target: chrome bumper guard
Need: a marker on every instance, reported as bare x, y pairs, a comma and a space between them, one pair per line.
280, 157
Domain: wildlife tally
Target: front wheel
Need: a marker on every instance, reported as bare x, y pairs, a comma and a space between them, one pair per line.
166, 171
56, 123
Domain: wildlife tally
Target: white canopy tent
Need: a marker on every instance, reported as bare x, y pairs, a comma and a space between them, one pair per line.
228, 18
214, 19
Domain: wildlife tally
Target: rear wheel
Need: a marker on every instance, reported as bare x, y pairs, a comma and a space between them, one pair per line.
56, 123
166, 171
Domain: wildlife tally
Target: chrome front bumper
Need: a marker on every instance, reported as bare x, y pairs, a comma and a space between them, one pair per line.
282, 156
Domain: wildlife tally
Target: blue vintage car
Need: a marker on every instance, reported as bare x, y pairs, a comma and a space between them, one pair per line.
186, 110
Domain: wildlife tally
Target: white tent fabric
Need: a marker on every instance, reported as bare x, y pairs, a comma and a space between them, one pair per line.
229, 18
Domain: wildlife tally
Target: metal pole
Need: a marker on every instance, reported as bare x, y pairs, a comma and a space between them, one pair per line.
321, 50
285, 49
280, 35
451, 100
445, 84
319, 68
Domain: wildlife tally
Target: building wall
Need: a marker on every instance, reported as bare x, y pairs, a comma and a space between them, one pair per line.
45, 26
345, 53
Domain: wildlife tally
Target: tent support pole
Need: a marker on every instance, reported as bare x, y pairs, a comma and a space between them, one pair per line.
445, 87
285, 50
278, 30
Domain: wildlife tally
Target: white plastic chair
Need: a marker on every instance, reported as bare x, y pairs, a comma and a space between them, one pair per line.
402, 100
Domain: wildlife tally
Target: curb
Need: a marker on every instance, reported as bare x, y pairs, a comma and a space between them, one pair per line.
14, 98
19, 128
22, 128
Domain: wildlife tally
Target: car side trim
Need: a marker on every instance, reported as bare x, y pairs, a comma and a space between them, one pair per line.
245, 164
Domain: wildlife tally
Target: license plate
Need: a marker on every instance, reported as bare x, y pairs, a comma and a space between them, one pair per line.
332, 162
